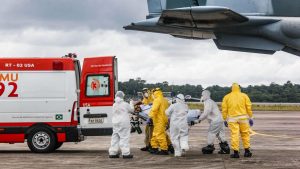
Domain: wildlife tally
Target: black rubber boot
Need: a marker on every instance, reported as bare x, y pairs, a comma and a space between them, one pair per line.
145, 148
171, 149
224, 148
163, 152
127, 156
153, 150
247, 153
132, 130
235, 154
114, 156
208, 149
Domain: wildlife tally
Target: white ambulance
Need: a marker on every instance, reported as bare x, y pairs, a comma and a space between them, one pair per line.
49, 101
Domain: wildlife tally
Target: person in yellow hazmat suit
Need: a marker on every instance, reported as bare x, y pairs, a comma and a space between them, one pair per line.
147, 100
237, 115
159, 143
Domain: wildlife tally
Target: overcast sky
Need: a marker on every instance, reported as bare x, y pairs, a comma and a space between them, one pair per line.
43, 28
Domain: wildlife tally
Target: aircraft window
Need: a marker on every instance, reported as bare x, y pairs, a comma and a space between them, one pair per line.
97, 85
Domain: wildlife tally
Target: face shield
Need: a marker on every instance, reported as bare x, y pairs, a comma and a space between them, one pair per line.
146, 94
180, 98
120, 95
205, 95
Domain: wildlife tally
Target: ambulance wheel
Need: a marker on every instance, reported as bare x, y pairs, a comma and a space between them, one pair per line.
58, 145
41, 140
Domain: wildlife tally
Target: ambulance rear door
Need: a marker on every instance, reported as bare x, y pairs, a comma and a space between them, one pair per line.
97, 89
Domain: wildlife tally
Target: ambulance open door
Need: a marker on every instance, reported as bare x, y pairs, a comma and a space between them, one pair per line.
97, 89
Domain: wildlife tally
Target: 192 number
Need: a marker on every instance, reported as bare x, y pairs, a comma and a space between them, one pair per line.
13, 91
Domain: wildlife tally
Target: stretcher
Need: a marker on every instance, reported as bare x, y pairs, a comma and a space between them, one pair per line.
192, 116
142, 113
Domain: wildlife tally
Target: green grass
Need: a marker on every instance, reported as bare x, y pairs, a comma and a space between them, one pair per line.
256, 107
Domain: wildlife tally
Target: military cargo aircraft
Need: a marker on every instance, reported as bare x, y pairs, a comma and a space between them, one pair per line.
258, 26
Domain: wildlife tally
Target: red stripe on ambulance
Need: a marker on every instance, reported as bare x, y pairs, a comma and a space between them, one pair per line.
28, 124
36, 64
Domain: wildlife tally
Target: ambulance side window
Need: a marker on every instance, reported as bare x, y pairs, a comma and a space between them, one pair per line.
97, 85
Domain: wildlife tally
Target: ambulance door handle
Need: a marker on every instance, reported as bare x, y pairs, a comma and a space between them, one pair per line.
101, 115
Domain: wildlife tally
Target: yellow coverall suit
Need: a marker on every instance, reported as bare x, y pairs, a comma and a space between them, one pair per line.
148, 129
236, 110
160, 120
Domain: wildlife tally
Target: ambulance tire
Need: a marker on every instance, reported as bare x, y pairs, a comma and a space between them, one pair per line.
41, 140
58, 145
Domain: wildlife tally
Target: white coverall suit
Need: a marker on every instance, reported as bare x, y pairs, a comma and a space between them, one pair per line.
178, 125
213, 115
121, 126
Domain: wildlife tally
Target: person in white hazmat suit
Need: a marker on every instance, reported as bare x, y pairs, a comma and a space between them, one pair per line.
216, 125
121, 127
179, 129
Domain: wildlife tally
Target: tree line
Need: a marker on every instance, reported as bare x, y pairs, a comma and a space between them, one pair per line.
286, 93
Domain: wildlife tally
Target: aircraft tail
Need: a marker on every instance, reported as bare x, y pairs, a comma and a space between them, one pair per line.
155, 7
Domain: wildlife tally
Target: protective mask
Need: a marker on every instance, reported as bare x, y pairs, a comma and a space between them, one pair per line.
146, 95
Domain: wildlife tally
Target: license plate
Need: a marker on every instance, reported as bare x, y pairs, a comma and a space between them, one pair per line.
96, 120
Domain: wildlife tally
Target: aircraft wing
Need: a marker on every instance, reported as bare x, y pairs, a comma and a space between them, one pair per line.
207, 17
190, 22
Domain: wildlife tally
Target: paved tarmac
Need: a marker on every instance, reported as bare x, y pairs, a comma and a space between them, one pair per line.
276, 144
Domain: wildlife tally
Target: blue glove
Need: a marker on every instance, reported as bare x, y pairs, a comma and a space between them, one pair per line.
251, 122
150, 104
149, 121
225, 123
